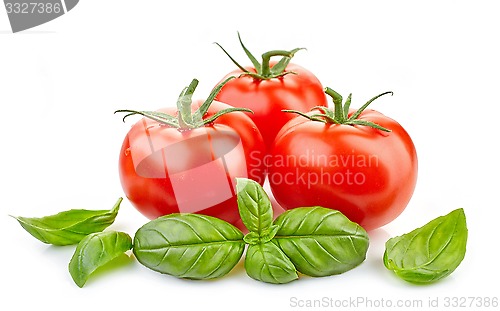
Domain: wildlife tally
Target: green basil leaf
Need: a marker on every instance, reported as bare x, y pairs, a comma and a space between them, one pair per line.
254, 205
429, 253
189, 246
94, 251
321, 241
69, 227
267, 263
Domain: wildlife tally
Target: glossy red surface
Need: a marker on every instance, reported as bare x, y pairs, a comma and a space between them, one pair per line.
165, 170
367, 174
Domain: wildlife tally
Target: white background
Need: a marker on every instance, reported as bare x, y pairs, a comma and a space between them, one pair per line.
61, 82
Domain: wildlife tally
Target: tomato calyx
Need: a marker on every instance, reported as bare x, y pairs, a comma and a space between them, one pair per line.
263, 69
186, 119
340, 114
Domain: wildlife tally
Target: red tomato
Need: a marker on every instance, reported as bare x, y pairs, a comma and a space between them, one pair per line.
354, 166
164, 169
267, 88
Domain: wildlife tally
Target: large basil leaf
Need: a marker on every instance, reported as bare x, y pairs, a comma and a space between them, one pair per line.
189, 246
266, 262
321, 241
431, 252
254, 205
94, 251
69, 227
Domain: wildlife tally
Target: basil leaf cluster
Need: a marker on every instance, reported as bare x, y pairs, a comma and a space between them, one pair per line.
314, 241
84, 228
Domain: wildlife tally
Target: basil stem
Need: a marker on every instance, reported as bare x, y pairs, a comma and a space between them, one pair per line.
267, 263
189, 246
429, 253
321, 241
69, 227
94, 251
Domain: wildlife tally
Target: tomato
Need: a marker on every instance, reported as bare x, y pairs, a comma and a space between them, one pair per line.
267, 88
190, 168
361, 163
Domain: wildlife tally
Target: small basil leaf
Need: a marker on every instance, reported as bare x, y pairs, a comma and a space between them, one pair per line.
321, 241
254, 205
189, 246
252, 238
94, 251
268, 234
267, 263
429, 253
69, 227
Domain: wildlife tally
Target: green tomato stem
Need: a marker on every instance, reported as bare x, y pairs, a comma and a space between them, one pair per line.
266, 58
339, 116
264, 71
186, 119
184, 102
341, 112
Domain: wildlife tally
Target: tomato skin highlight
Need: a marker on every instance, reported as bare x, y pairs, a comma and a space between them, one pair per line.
297, 90
367, 174
166, 170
